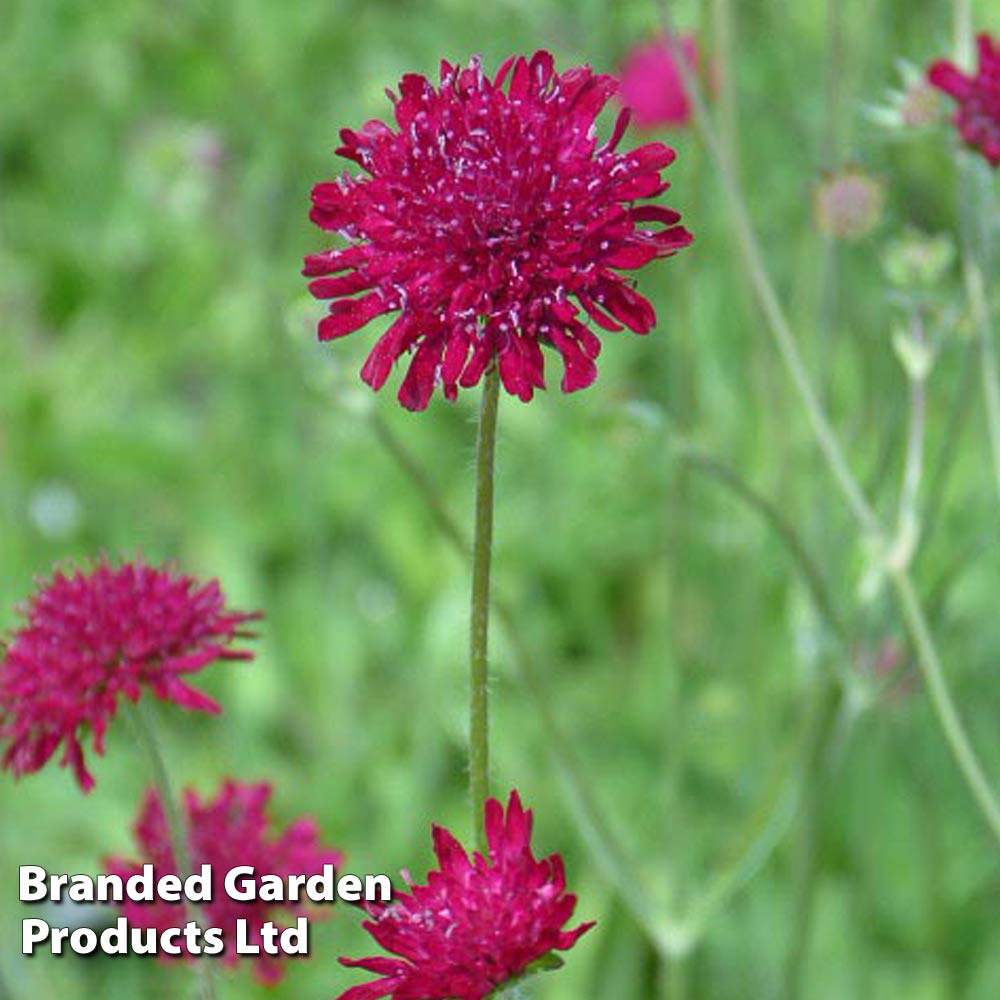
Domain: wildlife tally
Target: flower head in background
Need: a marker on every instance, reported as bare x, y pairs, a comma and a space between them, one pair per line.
227, 831
911, 106
978, 115
477, 924
848, 204
90, 638
652, 85
491, 220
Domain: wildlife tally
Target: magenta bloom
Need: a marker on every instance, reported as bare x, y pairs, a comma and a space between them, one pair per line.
230, 830
652, 85
488, 219
92, 637
978, 114
477, 923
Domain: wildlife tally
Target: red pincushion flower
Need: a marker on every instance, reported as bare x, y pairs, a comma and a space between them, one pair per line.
92, 637
477, 923
652, 84
228, 831
978, 114
484, 214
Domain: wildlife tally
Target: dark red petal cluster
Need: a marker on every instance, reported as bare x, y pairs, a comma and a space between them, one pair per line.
92, 637
229, 830
978, 115
652, 84
491, 221
477, 923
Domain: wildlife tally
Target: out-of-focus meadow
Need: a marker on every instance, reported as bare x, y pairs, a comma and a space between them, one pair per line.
162, 391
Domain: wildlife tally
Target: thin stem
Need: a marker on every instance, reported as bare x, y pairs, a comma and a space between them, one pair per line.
948, 449
423, 483
962, 26
833, 78
677, 976
763, 829
770, 821
777, 321
954, 731
975, 289
829, 445
908, 517
588, 813
482, 548
976, 210
975, 207
724, 24
913, 469
145, 731
807, 564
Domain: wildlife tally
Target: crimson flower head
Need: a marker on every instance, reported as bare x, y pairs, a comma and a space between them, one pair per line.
978, 96
90, 638
652, 84
225, 832
491, 221
477, 924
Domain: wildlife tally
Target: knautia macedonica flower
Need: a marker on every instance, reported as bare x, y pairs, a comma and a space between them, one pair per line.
652, 84
225, 832
477, 924
493, 223
978, 115
90, 638
848, 204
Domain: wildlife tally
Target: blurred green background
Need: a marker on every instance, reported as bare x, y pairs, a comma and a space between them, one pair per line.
162, 391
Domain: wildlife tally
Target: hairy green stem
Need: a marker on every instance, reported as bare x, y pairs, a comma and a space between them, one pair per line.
145, 731
482, 549
826, 438
904, 544
763, 829
589, 814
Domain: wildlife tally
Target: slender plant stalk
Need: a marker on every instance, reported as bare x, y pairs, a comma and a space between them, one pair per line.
145, 731
591, 818
772, 819
677, 980
807, 564
424, 484
962, 27
988, 360
763, 829
724, 50
908, 517
482, 549
947, 450
830, 156
826, 438
914, 466
976, 263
